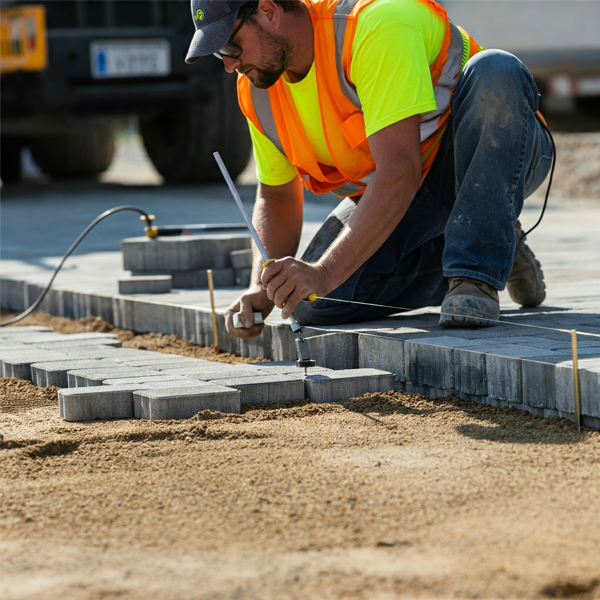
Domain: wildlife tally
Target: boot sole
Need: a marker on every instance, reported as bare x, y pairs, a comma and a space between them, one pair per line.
466, 311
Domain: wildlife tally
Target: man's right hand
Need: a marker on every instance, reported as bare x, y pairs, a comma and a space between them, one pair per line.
253, 300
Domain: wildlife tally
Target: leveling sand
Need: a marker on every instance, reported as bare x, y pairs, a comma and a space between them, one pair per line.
385, 496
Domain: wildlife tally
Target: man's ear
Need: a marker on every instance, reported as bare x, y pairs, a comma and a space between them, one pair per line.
270, 12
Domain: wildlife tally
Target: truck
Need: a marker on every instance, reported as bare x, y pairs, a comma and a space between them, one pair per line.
557, 40
72, 70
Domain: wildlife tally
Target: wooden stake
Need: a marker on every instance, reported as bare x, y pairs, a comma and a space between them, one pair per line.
576, 379
211, 289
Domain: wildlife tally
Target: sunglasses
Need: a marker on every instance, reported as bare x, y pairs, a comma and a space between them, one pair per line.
230, 49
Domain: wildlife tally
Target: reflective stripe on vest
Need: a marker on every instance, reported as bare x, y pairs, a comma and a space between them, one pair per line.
447, 82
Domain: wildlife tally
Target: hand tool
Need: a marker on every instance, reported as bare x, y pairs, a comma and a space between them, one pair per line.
237, 321
303, 360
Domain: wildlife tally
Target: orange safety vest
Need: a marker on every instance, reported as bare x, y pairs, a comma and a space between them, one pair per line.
271, 112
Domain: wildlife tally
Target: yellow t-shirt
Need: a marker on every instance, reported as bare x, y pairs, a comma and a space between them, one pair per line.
395, 44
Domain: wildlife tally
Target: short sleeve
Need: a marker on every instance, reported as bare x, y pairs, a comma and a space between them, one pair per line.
272, 167
394, 46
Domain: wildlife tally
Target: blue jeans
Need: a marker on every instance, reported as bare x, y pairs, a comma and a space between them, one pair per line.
461, 222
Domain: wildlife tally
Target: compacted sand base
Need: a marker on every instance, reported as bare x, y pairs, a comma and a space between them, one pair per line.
385, 496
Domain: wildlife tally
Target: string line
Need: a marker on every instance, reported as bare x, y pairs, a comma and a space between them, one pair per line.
400, 308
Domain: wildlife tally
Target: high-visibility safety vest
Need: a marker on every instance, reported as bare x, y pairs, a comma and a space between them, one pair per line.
334, 23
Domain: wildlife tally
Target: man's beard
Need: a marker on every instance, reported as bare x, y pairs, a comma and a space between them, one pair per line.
277, 52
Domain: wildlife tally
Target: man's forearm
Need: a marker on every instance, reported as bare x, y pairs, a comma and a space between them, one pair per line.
277, 217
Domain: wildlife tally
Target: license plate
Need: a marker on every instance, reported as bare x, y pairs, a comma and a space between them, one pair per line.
130, 58
23, 45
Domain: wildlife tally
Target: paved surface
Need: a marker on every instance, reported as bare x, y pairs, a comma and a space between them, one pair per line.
39, 222
117, 386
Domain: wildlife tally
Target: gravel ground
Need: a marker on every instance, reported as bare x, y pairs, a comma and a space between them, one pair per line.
384, 496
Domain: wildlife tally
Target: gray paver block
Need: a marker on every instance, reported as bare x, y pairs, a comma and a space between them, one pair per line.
74, 344
470, 372
125, 355
266, 388
45, 374
7, 346
155, 362
182, 253
156, 317
18, 365
241, 259
199, 278
46, 338
282, 343
96, 402
517, 351
386, 353
589, 381
426, 364
109, 401
176, 380
146, 284
504, 378
564, 390
334, 350
95, 377
426, 390
10, 332
207, 373
184, 403
242, 277
100, 352
539, 384
343, 385
287, 368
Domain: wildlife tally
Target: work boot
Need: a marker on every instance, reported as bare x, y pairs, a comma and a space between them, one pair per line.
526, 282
469, 303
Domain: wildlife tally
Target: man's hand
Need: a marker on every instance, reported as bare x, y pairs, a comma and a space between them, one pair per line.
288, 281
253, 300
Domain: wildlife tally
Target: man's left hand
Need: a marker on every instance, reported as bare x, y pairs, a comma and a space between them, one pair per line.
288, 281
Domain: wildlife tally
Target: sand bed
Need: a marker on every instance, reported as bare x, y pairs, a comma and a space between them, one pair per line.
385, 496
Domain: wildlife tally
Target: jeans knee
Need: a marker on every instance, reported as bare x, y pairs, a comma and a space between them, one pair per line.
495, 77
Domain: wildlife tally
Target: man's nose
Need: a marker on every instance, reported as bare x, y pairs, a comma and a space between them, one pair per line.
231, 64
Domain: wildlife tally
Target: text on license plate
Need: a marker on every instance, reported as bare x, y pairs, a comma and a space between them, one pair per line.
130, 58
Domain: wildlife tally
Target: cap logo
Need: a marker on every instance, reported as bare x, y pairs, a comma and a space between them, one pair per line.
199, 16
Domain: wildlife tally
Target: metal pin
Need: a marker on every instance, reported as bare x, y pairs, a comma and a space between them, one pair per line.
577, 407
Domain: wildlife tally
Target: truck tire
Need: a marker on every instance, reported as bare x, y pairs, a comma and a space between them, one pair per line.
83, 154
181, 141
10, 159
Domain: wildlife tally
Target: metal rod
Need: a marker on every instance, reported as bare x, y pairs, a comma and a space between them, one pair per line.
211, 289
576, 379
296, 328
240, 204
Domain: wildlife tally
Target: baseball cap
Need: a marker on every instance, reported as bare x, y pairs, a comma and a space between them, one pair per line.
214, 21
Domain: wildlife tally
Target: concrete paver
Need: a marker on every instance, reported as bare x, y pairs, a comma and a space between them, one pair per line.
185, 402
46, 374
266, 388
566, 243
95, 376
349, 383
149, 284
182, 253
